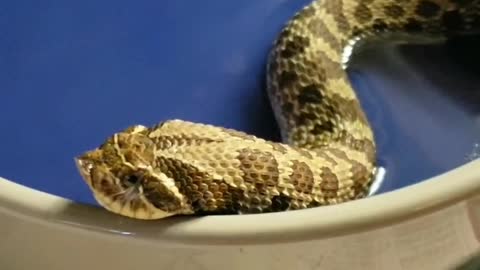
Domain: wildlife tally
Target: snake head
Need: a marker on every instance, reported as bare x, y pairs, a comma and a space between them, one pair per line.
122, 176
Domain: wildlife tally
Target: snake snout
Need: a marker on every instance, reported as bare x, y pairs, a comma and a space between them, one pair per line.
84, 167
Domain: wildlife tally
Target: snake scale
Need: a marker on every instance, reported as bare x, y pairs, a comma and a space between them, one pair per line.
327, 154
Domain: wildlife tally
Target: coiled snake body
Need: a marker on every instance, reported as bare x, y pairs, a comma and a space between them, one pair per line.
328, 152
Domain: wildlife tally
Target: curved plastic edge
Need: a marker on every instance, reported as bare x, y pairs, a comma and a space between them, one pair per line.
377, 211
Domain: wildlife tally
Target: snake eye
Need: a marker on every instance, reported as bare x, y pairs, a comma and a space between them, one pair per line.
132, 180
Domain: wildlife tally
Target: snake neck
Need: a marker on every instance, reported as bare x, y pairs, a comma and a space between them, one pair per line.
312, 98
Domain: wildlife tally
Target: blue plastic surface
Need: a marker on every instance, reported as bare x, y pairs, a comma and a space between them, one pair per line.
74, 72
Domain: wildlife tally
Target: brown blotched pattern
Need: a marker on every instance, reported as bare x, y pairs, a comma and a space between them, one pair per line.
204, 193
394, 11
302, 177
261, 175
329, 152
363, 13
329, 184
335, 8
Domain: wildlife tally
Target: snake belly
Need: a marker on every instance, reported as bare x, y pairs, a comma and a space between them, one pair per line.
328, 153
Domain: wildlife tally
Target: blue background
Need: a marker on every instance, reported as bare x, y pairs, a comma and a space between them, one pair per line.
74, 72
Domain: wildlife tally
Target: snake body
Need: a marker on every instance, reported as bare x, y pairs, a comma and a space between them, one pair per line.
327, 154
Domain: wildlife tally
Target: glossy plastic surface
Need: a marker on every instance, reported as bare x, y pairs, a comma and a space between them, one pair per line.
74, 72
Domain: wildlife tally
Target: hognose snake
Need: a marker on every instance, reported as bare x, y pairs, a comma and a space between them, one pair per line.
328, 151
